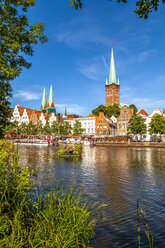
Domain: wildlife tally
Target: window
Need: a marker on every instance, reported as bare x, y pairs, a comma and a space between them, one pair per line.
123, 125
97, 126
97, 132
120, 132
101, 126
123, 132
98, 121
101, 117
104, 121
123, 115
100, 132
127, 125
119, 125
104, 132
126, 116
104, 126
101, 121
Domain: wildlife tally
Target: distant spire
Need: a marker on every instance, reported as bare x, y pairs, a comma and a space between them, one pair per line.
118, 82
44, 101
112, 75
51, 99
106, 81
65, 111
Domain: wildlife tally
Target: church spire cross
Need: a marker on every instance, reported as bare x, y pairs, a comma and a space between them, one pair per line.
112, 75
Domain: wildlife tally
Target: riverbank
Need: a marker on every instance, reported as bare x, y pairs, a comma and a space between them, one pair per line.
133, 144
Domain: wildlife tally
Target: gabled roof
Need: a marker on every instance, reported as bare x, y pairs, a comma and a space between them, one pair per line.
21, 110
69, 118
143, 112
90, 115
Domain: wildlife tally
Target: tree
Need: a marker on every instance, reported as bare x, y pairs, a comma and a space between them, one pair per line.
112, 110
5, 111
16, 41
100, 108
143, 7
136, 125
31, 129
46, 129
77, 128
157, 124
65, 129
55, 127
134, 107
108, 111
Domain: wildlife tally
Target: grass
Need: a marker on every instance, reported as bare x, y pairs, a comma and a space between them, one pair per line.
60, 219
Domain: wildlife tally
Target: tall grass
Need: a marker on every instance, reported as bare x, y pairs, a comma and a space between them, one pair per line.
60, 219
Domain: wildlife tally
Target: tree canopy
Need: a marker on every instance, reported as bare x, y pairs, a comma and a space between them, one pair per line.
108, 111
77, 128
17, 38
134, 107
143, 7
157, 125
136, 125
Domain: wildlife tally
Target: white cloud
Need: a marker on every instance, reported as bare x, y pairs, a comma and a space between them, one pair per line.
71, 108
27, 95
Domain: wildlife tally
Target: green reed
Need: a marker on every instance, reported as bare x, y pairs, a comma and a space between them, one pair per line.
61, 219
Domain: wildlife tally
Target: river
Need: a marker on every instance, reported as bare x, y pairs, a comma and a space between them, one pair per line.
115, 177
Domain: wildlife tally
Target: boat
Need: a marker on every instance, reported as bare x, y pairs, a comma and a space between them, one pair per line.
32, 142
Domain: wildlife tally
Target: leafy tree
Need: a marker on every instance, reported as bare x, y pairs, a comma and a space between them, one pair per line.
108, 111
16, 41
39, 127
5, 111
100, 108
143, 7
46, 129
157, 124
136, 125
31, 128
134, 107
55, 127
65, 129
77, 128
112, 110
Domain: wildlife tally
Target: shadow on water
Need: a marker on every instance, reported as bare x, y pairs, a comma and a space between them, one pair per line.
116, 177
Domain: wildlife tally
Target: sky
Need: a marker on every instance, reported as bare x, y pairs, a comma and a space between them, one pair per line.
76, 59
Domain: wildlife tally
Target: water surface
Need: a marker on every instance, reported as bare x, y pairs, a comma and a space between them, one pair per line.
115, 177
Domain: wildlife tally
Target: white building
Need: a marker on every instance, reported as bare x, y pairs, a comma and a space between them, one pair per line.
87, 123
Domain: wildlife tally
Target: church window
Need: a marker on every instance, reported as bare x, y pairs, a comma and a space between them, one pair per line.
123, 116
126, 116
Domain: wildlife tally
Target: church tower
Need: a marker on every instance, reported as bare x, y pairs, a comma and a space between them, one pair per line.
44, 102
112, 87
50, 106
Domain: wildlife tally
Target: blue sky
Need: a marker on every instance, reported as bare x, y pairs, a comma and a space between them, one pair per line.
76, 58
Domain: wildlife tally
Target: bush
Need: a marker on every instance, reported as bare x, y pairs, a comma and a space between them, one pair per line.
57, 220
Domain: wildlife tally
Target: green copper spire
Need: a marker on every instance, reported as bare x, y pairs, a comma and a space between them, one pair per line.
44, 101
106, 81
118, 83
51, 99
112, 75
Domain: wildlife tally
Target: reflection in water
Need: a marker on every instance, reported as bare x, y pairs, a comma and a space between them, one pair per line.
116, 177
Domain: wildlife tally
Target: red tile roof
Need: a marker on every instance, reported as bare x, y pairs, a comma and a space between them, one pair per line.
143, 112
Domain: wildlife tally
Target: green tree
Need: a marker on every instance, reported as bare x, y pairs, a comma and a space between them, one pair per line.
39, 127
17, 38
46, 129
77, 128
157, 125
65, 129
134, 107
108, 111
143, 7
31, 128
55, 127
100, 108
136, 125
112, 110
5, 111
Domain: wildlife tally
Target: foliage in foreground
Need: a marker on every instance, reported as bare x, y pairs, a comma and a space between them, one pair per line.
59, 219
143, 7
70, 149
